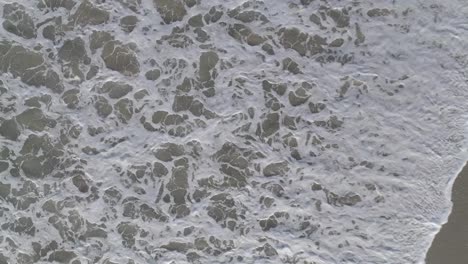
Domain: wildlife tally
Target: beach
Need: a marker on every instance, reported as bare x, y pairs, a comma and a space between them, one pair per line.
450, 245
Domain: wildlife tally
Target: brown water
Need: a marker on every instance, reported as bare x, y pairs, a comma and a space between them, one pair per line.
450, 246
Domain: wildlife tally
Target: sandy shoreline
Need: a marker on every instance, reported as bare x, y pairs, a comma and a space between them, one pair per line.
450, 246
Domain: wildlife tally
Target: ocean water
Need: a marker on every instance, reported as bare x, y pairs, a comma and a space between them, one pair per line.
210, 131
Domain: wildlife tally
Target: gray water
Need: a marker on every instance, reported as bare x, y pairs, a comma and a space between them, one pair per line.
210, 131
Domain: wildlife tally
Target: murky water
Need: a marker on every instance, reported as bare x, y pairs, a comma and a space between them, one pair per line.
196, 131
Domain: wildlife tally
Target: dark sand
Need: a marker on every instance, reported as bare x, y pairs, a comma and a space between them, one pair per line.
450, 245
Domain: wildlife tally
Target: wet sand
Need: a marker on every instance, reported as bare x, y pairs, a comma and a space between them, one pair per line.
450, 245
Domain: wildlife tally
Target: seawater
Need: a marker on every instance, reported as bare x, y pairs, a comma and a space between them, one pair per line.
197, 131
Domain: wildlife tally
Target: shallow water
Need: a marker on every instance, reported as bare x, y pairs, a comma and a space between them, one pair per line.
196, 131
